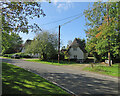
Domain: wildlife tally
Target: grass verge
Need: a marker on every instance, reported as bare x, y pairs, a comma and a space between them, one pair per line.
16, 80
54, 62
5, 57
107, 70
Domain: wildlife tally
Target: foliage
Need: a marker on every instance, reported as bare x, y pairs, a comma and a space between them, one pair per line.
21, 55
12, 43
45, 44
7, 55
14, 19
15, 16
82, 42
16, 80
100, 32
55, 57
0, 42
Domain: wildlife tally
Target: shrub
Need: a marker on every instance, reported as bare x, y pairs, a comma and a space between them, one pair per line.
55, 57
27, 56
22, 55
5, 55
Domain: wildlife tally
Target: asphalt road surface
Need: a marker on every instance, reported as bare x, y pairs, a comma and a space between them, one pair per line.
75, 80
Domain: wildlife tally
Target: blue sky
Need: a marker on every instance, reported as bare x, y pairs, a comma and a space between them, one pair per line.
57, 11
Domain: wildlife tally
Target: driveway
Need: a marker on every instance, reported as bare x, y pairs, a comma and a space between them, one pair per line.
73, 79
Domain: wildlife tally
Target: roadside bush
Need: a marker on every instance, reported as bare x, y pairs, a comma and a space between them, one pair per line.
24, 55
20, 54
55, 57
7, 55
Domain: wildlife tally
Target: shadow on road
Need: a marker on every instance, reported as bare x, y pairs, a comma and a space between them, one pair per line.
80, 84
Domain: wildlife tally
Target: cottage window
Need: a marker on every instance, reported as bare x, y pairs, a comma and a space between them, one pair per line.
75, 56
74, 49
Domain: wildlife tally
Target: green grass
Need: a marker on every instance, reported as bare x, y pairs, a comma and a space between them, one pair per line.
16, 80
54, 62
107, 70
90, 57
5, 57
11, 58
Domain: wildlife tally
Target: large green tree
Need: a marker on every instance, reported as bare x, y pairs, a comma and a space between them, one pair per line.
45, 44
15, 18
11, 43
103, 31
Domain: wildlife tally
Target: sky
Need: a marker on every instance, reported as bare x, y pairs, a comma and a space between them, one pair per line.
59, 10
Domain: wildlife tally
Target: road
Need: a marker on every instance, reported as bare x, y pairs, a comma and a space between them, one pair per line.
75, 80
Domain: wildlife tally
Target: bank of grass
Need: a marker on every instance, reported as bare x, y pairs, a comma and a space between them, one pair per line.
5, 57
103, 69
11, 58
52, 62
16, 80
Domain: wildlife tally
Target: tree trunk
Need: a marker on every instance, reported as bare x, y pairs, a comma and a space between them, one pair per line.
44, 56
109, 59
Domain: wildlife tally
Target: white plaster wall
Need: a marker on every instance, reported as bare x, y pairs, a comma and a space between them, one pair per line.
79, 53
36, 55
23, 50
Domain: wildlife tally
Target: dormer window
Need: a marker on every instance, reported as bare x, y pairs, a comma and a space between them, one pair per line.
74, 49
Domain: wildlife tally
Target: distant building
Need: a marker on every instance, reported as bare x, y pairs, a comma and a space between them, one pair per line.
77, 51
28, 41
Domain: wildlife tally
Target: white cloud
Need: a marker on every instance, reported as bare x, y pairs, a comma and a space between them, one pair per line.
55, 2
60, 5
63, 6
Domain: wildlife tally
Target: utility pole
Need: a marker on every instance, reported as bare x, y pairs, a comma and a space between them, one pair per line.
108, 36
59, 45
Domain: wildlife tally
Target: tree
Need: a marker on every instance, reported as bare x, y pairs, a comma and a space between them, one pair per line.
63, 47
45, 44
103, 31
82, 42
14, 19
15, 16
11, 43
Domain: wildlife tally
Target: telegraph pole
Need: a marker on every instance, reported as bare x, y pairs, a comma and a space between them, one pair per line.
108, 36
59, 45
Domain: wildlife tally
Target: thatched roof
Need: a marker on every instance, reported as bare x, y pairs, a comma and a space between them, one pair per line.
77, 43
28, 41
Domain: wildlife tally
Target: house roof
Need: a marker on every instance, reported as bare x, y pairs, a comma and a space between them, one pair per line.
28, 41
77, 43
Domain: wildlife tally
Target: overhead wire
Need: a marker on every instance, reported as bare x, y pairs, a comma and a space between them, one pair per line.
78, 16
60, 20
71, 20
68, 21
